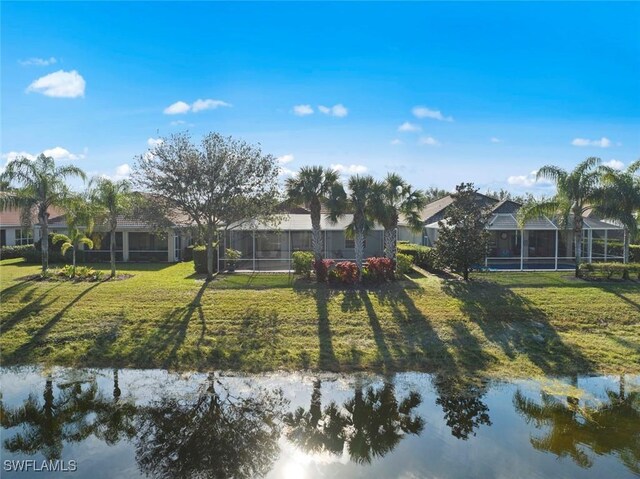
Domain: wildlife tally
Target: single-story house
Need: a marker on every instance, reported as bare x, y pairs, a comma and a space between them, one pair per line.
12, 230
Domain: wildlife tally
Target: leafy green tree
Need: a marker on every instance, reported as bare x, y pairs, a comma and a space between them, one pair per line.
576, 191
80, 216
396, 198
360, 202
41, 185
313, 186
113, 199
219, 184
462, 238
619, 199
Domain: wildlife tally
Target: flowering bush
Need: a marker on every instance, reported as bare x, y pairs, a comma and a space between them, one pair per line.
344, 272
321, 268
379, 269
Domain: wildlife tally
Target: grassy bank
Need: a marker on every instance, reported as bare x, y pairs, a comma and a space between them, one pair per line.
502, 324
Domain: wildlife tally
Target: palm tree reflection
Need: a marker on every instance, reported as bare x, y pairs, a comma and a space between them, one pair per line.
370, 424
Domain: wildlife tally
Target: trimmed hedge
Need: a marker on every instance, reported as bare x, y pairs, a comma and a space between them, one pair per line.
634, 253
423, 256
610, 270
403, 263
200, 259
302, 262
11, 252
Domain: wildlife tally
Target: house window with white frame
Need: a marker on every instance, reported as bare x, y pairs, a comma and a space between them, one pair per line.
24, 236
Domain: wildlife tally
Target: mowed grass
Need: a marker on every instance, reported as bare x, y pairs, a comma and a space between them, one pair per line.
500, 324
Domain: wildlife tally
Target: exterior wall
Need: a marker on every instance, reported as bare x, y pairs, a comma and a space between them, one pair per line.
406, 234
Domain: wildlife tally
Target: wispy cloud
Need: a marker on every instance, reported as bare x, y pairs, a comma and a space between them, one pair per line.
349, 169
181, 107
602, 142
428, 140
285, 159
396, 141
302, 110
60, 84
615, 164
528, 180
493, 139
424, 112
406, 126
153, 142
39, 62
338, 110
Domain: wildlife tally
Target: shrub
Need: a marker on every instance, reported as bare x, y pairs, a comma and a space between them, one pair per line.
81, 273
232, 256
423, 256
187, 253
379, 269
403, 263
11, 252
321, 268
302, 262
200, 259
609, 270
344, 272
634, 253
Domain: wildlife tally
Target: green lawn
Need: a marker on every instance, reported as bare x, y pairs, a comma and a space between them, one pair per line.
501, 324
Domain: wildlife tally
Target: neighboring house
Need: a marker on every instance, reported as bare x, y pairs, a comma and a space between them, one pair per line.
542, 243
14, 233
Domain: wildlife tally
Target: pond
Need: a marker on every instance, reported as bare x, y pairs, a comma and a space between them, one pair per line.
103, 423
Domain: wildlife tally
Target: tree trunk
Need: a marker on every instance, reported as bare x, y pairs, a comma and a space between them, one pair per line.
359, 250
390, 244
316, 232
465, 273
73, 260
44, 243
112, 252
626, 245
209, 240
577, 241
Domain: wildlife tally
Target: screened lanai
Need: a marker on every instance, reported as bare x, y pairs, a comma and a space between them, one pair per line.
265, 247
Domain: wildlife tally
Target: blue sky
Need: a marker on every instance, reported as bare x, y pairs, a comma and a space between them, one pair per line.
487, 92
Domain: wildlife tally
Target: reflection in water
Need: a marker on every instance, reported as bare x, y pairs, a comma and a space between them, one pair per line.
214, 435
370, 424
612, 427
461, 402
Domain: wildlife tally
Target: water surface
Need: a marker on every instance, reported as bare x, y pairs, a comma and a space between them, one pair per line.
152, 423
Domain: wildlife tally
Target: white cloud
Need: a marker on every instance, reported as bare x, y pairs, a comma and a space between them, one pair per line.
40, 62
338, 110
493, 139
285, 159
60, 84
302, 110
122, 172
208, 104
528, 180
12, 155
428, 140
424, 112
59, 153
177, 108
396, 141
602, 142
177, 122
615, 164
406, 126
284, 171
349, 169
153, 142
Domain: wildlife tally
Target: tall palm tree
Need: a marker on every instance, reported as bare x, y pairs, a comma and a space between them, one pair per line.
360, 201
41, 186
619, 199
80, 215
576, 191
312, 186
397, 198
114, 199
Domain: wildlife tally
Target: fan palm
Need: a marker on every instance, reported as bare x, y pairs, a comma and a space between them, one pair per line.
80, 215
576, 191
397, 198
619, 199
360, 201
312, 187
41, 186
113, 198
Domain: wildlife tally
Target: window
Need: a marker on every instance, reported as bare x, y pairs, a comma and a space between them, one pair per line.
23, 237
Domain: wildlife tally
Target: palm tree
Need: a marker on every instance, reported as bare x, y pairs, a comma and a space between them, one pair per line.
576, 191
80, 213
42, 185
114, 199
360, 202
619, 199
313, 186
397, 198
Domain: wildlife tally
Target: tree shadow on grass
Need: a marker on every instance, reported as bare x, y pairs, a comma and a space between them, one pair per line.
24, 353
31, 308
517, 326
616, 291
